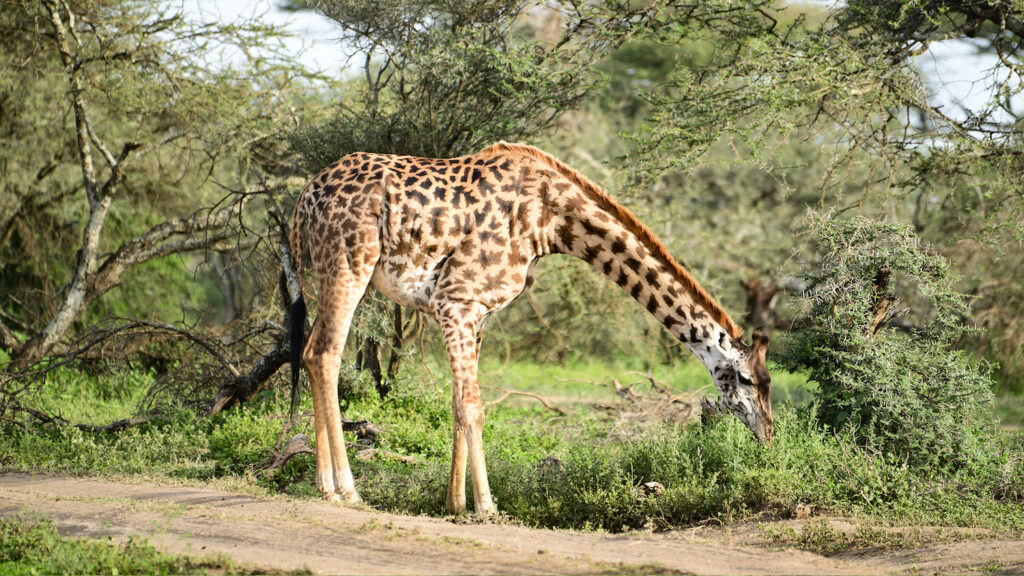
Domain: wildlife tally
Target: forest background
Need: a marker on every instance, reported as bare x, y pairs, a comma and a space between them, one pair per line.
790, 154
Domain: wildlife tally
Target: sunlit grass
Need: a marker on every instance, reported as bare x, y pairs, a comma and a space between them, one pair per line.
589, 381
574, 470
29, 547
1010, 411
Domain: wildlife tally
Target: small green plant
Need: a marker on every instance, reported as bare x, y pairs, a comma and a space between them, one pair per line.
34, 547
906, 394
820, 536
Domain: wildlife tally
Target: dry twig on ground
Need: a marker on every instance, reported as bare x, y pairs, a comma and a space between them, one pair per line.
507, 393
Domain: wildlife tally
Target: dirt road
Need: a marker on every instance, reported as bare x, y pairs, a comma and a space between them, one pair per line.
288, 534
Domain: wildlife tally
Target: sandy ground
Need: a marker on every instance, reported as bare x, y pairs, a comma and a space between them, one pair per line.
288, 534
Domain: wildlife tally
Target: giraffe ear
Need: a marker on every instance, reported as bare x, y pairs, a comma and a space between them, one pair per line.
760, 344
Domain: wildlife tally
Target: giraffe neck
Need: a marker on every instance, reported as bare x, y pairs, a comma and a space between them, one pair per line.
586, 230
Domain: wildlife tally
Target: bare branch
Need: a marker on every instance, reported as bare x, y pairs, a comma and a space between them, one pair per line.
299, 444
371, 453
243, 386
508, 393
75, 83
115, 167
8, 340
115, 426
202, 231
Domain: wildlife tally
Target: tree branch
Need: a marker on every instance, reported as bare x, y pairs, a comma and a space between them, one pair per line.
115, 426
243, 386
541, 399
8, 341
156, 243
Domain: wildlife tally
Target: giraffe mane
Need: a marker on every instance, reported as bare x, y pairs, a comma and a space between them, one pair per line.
634, 225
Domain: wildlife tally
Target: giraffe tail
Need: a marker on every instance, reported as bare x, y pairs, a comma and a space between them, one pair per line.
298, 342
297, 312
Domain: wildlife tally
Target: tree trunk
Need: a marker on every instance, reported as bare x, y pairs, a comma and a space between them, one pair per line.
882, 302
99, 203
397, 343
761, 300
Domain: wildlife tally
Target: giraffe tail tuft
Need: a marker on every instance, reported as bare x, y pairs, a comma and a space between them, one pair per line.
298, 342
297, 312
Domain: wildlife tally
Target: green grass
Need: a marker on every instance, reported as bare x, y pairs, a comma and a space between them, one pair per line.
34, 547
586, 380
100, 397
573, 471
822, 536
1010, 411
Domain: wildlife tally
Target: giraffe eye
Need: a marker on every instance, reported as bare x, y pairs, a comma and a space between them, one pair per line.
745, 381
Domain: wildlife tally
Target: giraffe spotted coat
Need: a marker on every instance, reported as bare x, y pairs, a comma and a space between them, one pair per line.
458, 239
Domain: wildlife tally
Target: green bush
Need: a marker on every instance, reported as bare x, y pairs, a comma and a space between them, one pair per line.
242, 439
35, 547
908, 395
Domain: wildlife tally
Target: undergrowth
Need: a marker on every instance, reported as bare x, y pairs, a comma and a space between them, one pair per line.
29, 546
575, 471
824, 537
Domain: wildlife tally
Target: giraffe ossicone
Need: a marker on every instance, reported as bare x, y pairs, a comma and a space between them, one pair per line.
458, 238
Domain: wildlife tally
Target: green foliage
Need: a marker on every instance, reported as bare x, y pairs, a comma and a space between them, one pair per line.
443, 79
912, 397
31, 547
577, 471
591, 483
239, 442
846, 84
158, 129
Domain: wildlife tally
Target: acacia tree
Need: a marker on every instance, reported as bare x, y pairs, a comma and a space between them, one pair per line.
844, 86
113, 109
441, 79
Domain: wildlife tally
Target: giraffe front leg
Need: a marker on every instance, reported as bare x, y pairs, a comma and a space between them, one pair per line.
477, 468
456, 503
460, 325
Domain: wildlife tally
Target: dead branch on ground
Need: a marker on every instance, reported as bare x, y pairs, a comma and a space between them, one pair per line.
366, 431
115, 426
298, 444
636, 408
508, 393
371, 453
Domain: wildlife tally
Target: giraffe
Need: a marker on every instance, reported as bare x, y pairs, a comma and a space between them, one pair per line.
458, 238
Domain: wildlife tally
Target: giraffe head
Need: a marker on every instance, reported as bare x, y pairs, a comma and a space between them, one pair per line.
744, 387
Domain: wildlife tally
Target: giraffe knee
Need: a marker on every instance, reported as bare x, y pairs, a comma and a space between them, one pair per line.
311, 358
470, 415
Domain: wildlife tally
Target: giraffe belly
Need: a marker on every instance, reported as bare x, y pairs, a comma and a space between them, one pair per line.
411, 287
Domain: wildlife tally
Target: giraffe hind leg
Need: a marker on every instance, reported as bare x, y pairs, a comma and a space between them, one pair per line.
340, 290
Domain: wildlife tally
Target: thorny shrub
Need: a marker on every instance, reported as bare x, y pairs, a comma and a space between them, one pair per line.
906, 393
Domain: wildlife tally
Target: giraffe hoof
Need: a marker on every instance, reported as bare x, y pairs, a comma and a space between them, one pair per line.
486, 509
347, 496
455, 509
332, 497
